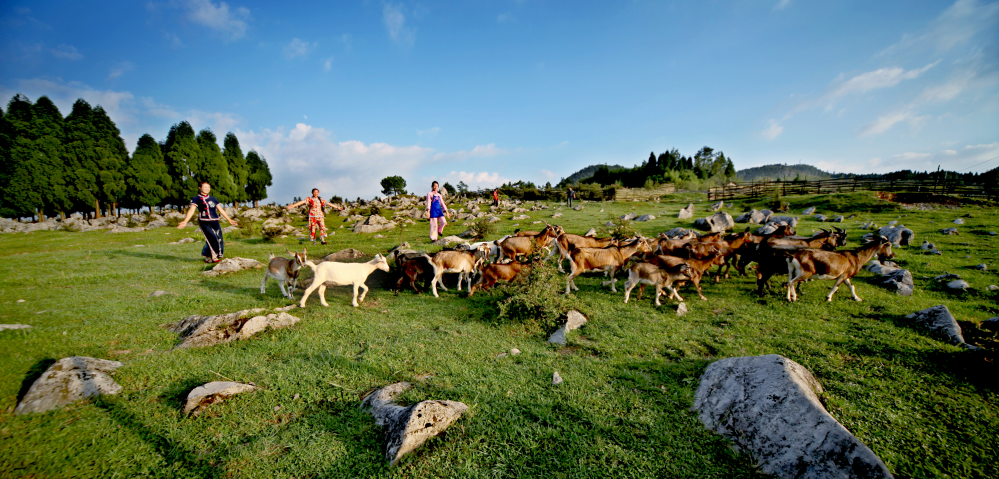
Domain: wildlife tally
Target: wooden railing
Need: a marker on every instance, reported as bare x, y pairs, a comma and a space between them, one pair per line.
758, 189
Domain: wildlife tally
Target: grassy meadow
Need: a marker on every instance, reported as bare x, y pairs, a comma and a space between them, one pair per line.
927, 408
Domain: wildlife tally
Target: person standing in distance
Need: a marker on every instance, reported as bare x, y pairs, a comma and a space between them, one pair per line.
570, 195
436, 211
317, 214
209, 209
496, 197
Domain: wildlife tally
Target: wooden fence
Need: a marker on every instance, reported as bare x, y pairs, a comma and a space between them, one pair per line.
642, 194
758, 189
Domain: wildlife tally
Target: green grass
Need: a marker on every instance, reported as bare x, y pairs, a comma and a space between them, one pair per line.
928, 409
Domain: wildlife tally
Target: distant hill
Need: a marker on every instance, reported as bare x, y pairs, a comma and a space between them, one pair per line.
773, 172
588, 172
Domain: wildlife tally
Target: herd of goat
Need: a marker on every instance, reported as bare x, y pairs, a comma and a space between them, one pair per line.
665, 263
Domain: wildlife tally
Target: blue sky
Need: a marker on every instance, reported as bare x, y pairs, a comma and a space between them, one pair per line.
338, 95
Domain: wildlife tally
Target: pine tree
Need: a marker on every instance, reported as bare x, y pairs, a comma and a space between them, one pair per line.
112, 157
183, 159
730, 171
259, 178
214, 169
81, 158
21, 191
238, 170
146, 175
6, 209
49, 136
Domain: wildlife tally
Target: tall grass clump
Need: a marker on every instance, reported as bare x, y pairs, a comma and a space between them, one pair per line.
481, 228
536, 298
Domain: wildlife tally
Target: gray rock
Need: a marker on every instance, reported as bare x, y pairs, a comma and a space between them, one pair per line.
629, 217
949, 231
982, 267
156, 224
556, 215
514, 352
898, 235
686, 213
4, 327
958, 284
213, 392
591, 232
753, 216
880, 268
183, 241
520, 217
991, 324
556, 379
676, 232
645, 218
993, 287
791, 221
769, 407
837, 219
578, 208
935, 251
573, 320
959, 221
681, 309
718, 222
927, 245
898, 281
609, 224
344, 254
231, 265
448, 240
69, 380
892, 223
992, 233
494, 219
946, 277
199, 331
158, 293
808, 211
407, 428
821, 218
373, 224
717, 206
940, 323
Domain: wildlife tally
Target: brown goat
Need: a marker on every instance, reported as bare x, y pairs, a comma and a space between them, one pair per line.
521, 245
608, 260
836, 265
647, 273
497, 272
697, 269
411, 269
568, 241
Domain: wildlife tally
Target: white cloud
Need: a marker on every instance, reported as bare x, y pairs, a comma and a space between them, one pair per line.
475, 181
968, 158
480, 151
229, 23
395, 22
782, 4
218, 122
118, 105
863, 83
120, 69
884, 123
348, 41
158, 110
431, 132
772, 131
298, 48
328, 64
67, 52
548, 174
959, 24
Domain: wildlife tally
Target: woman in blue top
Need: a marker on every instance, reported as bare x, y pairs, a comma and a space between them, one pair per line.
209, 209
436, 211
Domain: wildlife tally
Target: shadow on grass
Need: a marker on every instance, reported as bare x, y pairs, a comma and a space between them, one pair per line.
162, 257
34, 372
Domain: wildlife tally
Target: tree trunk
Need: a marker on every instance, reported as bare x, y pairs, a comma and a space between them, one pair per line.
40, 214
255, 204
97, 208
62, 215
114, 207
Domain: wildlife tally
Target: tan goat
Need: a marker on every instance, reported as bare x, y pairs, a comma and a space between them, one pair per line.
521, 245
462, 262
568, 241
497, 272
697, 269
285, 271
835, 265
608, 260
647, 273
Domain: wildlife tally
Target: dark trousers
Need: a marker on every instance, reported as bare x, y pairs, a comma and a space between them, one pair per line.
570, 201
214, 245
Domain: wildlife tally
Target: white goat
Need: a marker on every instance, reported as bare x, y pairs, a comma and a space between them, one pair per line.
342, 274
285, 271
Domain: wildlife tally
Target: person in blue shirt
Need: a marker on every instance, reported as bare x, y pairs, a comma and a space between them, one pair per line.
209, 209
437, 211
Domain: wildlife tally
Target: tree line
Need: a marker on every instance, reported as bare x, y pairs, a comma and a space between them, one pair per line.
667, 167
51, 165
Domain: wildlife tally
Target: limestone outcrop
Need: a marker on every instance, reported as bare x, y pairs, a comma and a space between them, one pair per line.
69, 380
407, 428
198, 331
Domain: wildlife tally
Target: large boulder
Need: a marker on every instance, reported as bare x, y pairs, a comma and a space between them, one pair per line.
718, 222
753, 216
198, 331
717, 206
407, 428
69, 380
676, 232
899, 235
344, 254
213, 392
373, 224
645, 218
898, 281
629, 217
808, 211
275, 227
769, 407
231, 265
573, 320
686, 213
254, 214
940, 323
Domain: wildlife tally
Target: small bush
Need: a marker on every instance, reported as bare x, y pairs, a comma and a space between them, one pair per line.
482, 228
622, 229
537, 299
172, 221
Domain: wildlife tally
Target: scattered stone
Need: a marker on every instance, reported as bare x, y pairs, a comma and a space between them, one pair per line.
344, 254
717, 206
158, 293
407, 428
645, 218
556, 379
578, 208
20, 301
993, 287
892, 223
837, 219
992, 233
686, 213
520, 217
880, 268
514, 352
199, 331
296, 397
991, 324
373, 224
808, 211
609, 224
591, 232
676, 232
821, 218
959, 221
213, 392
940, 323
500, 355
573, 320
629, 217
959, 284
447, 240
231, 265
769, 407
898, 235
935, 251
898, 281
982, 267
557, 215
927, 245
753, 217
4, 327
156, 224
949, 231
791, 221
69, 380
718, 222
947, 277
681, 309
183, 241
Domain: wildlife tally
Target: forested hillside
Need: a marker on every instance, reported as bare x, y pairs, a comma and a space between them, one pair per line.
705, 167
51, 165
785, 171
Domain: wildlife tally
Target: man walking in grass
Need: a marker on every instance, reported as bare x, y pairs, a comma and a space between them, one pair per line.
209, 209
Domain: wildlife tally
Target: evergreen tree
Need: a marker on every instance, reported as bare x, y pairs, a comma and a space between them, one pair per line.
81, 158
183, 160
49, 134
22, 191
146, 175
214, 169
112, 158
259, 178
730, 171
651, 166
6, 167
238, 170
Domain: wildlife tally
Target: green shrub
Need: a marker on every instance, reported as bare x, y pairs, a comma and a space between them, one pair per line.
536, 298
172, 221
622, 229
482, 228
